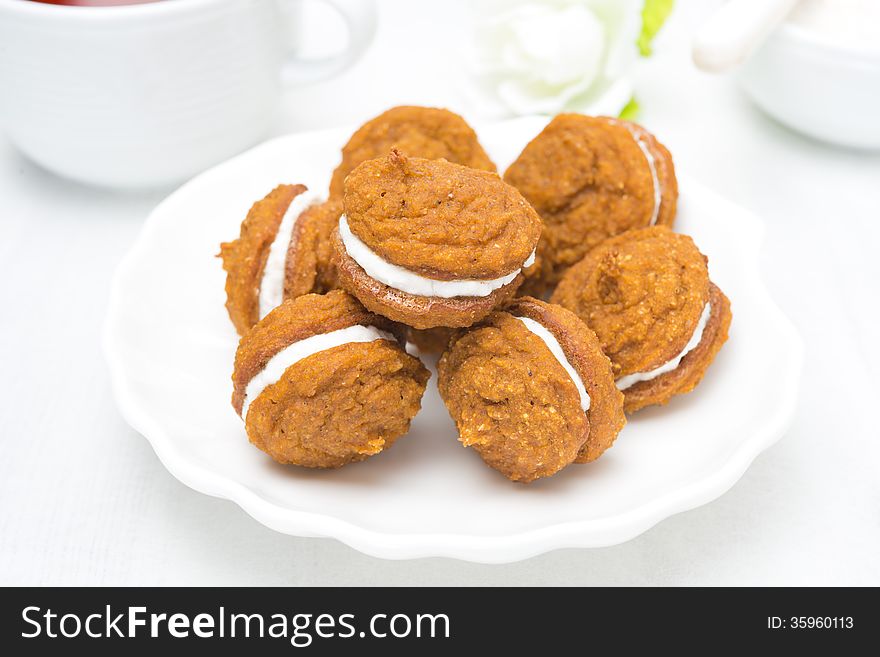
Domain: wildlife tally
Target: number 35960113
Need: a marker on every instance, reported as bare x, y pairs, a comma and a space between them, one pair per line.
810, 623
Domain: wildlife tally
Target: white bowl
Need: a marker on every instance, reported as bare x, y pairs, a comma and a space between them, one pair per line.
817, 87
170, 347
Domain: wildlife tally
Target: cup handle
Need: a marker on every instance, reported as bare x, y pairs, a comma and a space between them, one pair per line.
360, 19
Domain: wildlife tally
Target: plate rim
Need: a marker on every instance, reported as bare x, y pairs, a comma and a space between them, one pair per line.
502, 548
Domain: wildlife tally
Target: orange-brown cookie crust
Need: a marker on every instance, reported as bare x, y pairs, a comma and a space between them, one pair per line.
589, 179
416, 311
438, 219
692, 367
333, 407
308, 267
642, 292
245, 258
583, 351
419, 131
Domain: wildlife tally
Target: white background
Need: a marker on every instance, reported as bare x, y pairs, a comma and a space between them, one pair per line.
83, 499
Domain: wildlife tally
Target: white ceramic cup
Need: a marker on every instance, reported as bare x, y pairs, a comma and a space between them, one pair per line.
147, 95
826, 90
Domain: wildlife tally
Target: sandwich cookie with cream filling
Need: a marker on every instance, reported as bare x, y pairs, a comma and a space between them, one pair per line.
530, 390
282, 252
321, 382
660, 319
430, 243
423, 131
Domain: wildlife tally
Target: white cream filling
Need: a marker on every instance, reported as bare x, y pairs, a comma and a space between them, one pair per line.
652, 167
291, 354
556, 349
654, 178
629, 380
272, 281
406, 281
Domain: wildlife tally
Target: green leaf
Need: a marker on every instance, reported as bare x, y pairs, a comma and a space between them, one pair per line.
630, 111
654, 14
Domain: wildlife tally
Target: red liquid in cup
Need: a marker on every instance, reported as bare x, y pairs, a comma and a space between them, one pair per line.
94, 3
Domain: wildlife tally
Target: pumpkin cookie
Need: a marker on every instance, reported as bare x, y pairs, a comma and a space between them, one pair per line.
418, 131
430, 243
531, 391
661, 321
276, 254
591, 178
321, 382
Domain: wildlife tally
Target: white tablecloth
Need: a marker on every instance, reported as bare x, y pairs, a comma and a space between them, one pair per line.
83, 499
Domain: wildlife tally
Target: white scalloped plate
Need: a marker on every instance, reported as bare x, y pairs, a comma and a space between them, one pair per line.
170, 346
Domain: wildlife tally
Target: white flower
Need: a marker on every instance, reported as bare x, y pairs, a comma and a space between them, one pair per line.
540, 57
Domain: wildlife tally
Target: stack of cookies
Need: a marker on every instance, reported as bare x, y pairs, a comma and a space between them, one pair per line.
557, 297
